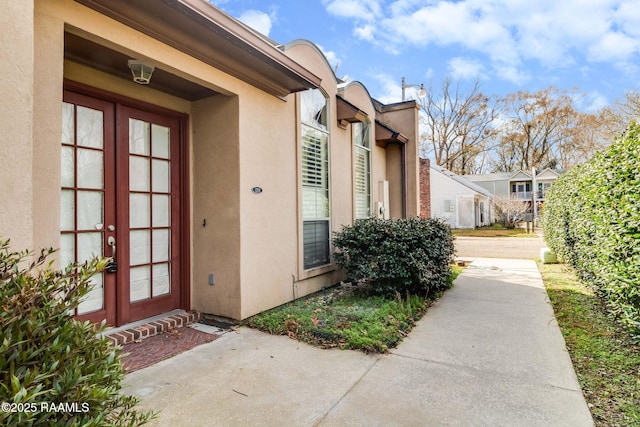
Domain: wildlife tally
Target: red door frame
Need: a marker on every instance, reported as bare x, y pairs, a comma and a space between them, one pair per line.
180, 212
108, 149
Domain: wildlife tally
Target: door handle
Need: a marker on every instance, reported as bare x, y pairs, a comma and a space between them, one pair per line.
112, 265
111, 241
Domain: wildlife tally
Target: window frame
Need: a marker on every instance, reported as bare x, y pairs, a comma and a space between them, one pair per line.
316, 125
364, 147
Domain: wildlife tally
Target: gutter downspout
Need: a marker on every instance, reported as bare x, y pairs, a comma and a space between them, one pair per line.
405, 193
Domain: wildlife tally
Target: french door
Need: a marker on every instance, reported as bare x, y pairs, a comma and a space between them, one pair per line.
120, 198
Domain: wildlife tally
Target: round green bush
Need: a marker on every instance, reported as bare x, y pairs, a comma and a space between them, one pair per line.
592, 221
55, 370
407, 255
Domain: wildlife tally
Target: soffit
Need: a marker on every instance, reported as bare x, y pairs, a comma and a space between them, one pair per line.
386, 135
208, 34
110, 61
348, 113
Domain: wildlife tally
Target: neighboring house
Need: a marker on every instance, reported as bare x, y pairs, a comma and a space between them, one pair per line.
219, 182
461, 203
520, 185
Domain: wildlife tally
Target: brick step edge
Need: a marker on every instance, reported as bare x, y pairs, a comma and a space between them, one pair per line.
154, 328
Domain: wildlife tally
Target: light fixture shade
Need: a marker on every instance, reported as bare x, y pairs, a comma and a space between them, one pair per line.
422, 92
141, 72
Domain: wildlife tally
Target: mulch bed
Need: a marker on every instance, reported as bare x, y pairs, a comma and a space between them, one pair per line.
160, 347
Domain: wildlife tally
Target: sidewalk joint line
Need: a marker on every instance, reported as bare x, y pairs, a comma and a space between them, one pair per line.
347, 392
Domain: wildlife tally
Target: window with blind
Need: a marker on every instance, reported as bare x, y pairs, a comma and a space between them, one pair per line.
362, 170
315, 178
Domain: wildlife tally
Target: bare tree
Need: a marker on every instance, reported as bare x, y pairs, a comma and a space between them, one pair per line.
458, 126
536, 126
586, 134
616, 118
510, 211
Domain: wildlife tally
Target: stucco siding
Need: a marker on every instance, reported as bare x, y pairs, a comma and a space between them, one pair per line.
237, 137
16, 133
216, 206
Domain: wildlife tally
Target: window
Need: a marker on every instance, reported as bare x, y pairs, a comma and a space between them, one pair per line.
315, 178
362, 170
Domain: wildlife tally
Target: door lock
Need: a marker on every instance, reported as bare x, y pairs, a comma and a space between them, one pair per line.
112, 266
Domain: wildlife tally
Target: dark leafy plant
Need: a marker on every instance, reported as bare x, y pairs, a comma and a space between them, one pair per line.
407, 256
55, 370
592, 221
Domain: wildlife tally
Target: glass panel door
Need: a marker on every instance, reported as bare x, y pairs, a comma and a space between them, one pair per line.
149, 210
83, 198
120, 187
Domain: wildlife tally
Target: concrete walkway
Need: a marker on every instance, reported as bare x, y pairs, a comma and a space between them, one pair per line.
488, 353
499, 247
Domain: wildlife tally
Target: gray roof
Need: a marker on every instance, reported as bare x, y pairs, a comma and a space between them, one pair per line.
462, 180
498, 176
505, 176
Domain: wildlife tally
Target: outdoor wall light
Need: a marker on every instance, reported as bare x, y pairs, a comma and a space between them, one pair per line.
141, 71
421, 92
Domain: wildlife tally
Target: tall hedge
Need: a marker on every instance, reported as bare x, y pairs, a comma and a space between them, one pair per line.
592, 221
407, 255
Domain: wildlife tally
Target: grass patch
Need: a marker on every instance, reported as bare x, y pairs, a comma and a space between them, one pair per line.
493, 231
345, 317
607, 363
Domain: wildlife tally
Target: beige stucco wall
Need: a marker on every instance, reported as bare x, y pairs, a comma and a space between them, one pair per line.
404, 118
394, 176
268, 220
357, 94
47, 125
240, 139
216, 206
17, 81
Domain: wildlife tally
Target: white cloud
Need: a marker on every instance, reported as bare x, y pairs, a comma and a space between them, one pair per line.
592, 102
366, 32
429, 74
613, 46
257, 20
363, 10
509, 33
332, 57
628, 17
465, 68
511, 74
391, 89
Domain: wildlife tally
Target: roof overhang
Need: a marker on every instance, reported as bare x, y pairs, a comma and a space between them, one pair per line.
385, 135
348, 113
208, 34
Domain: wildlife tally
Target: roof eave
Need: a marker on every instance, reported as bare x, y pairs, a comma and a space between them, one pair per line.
208, 34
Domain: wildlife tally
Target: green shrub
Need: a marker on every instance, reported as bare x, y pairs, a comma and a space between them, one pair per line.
407, 255
55, 370
592, 221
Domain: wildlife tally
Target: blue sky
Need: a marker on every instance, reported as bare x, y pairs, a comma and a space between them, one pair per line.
509, 45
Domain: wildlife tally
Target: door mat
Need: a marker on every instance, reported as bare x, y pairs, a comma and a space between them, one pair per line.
218, 323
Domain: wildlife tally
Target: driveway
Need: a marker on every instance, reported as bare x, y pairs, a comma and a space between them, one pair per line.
499, 247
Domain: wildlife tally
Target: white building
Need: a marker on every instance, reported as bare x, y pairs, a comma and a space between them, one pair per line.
461, 203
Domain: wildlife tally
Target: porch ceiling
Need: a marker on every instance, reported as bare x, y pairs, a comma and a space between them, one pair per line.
110, 61
208, 34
